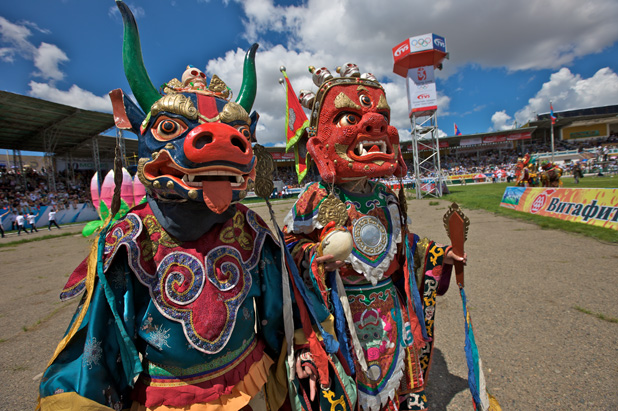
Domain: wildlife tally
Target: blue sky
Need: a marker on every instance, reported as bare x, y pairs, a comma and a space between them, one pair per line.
507, 59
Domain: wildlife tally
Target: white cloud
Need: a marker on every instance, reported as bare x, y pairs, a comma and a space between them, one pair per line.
15, 40
568, 91
47, 59
75, 97
502, 121
519, 34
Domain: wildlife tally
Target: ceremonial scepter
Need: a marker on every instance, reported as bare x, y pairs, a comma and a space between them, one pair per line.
456, 225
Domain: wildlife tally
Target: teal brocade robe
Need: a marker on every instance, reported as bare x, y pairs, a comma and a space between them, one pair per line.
168, 322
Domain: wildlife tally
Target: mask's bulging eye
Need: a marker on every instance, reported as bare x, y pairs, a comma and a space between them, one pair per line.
167, 128
245, 131
347, 119
365, 100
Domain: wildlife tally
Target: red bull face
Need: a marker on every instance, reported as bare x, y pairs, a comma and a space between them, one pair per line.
353, 138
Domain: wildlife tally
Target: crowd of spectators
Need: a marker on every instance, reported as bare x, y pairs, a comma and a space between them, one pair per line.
29, 191
501, 163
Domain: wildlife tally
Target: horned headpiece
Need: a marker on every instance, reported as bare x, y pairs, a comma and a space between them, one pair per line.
194, 142
349, 134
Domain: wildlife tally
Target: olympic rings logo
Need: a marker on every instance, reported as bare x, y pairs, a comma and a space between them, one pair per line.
421, 42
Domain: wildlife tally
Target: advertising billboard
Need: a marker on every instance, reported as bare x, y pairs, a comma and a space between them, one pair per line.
421, 88
594, 206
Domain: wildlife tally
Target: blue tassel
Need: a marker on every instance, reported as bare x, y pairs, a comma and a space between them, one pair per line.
418, 306
471, 353
340, 323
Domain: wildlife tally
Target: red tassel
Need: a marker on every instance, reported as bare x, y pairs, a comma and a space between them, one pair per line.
320, 357
415, 327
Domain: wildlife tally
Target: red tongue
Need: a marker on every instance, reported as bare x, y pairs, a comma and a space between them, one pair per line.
217, 195
374, 148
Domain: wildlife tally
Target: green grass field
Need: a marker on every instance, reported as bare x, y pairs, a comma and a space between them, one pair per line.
487, 197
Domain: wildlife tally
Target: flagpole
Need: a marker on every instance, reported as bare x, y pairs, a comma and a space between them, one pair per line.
551, 120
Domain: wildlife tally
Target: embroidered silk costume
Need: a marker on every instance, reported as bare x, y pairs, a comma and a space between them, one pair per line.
182, 304
391, 277
187, 306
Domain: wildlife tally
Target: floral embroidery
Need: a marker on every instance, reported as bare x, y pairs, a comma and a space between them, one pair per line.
92, 353
158, 338
236, 233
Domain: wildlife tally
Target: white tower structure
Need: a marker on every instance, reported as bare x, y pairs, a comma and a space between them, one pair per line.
416, 59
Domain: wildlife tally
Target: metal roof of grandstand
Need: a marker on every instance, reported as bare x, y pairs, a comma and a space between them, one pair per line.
580, 114
490, 133
32, 124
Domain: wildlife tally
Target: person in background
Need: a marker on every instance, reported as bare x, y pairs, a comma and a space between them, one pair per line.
31, 217
2, 214
13, 219
577, 173
52, 218
21, 223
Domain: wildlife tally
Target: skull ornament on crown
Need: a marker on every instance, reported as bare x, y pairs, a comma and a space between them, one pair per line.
349, 134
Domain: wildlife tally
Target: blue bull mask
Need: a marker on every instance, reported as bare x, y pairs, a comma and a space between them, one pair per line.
194, 143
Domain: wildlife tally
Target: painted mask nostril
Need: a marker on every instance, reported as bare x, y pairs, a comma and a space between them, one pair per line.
238, 142
202, 140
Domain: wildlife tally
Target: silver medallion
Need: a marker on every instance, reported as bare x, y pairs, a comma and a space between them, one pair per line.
369, 235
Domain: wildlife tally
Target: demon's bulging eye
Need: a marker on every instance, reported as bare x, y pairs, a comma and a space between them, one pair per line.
365, 100
245, 131
167, 128
347, 119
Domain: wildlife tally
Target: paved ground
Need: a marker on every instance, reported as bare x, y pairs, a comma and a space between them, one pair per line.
523, 285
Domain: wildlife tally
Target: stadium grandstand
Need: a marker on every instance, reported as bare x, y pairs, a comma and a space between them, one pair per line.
50, 157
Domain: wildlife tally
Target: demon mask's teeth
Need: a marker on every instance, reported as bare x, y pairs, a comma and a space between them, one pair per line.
196, 179
188, 179
239, 181
362, 146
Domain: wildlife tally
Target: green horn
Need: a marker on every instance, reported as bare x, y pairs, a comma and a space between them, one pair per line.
137, 76
246, 95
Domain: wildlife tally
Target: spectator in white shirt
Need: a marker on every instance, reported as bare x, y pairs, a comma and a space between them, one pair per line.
31, 221
20, 220
52, 218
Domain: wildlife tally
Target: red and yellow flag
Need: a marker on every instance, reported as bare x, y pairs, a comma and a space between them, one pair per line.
295, 123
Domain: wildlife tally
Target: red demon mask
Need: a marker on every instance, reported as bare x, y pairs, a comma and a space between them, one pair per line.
349, 135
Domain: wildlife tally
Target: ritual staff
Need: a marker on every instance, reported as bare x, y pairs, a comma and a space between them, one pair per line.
182, 307
372, 287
